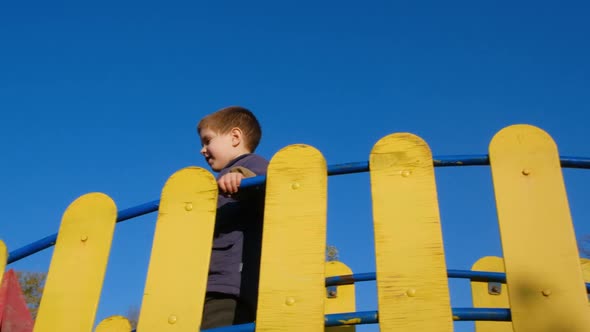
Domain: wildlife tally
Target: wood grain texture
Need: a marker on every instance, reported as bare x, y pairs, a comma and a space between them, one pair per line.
483, 299
177, 274
547, 290
292, 278
412, 285
344, 301
76, 273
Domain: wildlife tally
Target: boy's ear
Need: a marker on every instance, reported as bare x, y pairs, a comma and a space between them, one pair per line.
236, 136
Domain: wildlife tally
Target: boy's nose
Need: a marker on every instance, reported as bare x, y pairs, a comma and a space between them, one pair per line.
203, 151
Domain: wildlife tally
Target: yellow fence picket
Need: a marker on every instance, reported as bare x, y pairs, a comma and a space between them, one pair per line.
3, 259
74, 282
340, 298
547, 290
486, 295
179, 263
114, 324
585, 269
544, 273
412, 285
292, 276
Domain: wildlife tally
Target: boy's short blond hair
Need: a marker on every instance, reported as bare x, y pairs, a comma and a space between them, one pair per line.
224, 120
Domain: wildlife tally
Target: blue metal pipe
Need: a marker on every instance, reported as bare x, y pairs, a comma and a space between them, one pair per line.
338, 169
461, 160
575, 162
372, 317
348, 168
482, 314
482, 276
49, 241
477, 275
459, 314
455, 274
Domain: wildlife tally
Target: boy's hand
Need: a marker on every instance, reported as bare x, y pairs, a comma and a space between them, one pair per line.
230, 182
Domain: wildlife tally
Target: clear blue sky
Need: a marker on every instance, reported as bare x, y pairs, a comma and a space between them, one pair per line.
105, 97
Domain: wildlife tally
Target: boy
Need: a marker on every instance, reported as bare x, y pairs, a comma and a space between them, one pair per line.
228, 138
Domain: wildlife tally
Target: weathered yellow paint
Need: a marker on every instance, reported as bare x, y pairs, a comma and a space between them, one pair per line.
3, 259
345, 297
483, 299
79, 262
547, 291
412, 285
585, 263
292, 278
179, 263
114, 324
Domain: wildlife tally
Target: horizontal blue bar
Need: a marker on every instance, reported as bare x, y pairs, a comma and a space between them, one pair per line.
338, 169
575, 162
456, 274
453, 274
459, 314
372, 317
49, 241
482, 314
461, 160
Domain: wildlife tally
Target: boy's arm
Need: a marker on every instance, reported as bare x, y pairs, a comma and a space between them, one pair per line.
243, 170
229, 183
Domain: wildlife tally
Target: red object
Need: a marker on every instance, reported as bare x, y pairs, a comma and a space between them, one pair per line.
14, 313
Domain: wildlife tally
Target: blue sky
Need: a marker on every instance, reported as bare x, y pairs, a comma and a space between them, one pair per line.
106, 96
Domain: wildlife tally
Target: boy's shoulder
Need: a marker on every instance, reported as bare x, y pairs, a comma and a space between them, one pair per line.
251, 158
253, 162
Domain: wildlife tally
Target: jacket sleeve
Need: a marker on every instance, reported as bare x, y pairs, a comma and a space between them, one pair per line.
243, 170
249, 193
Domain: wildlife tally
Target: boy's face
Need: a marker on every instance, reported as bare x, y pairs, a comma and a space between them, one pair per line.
218, 149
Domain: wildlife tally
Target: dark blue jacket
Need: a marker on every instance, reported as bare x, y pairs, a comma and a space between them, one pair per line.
235, 258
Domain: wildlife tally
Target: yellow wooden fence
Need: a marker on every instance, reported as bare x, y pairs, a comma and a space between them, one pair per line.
544, 273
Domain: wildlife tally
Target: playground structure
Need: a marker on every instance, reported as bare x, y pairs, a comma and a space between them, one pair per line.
411, 272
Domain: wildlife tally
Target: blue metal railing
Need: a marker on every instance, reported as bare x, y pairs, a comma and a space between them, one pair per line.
453, 274
353, 318
372, 317
338, 169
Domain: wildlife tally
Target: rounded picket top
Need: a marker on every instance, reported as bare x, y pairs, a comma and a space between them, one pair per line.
79, 261
404, 198
528, 136
297, 154
295, 222
114, 324
532, 204
399, 143
340, 298
490, 295
192, 176
180, 253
